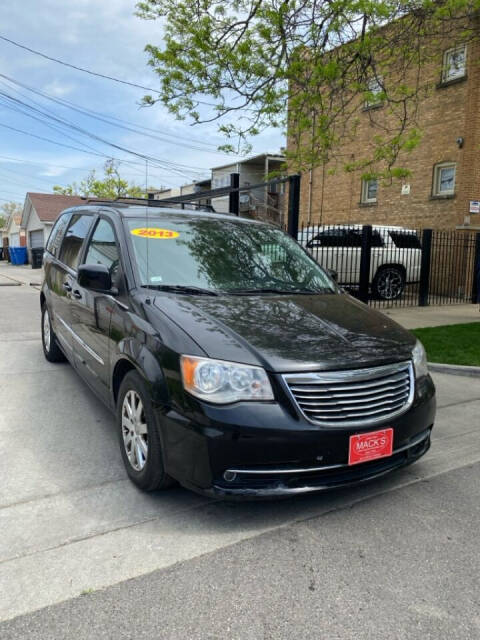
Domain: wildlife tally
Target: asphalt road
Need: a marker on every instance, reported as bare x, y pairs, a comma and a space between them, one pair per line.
83, 554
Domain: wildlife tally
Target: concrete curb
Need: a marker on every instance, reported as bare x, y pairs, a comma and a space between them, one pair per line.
454, 369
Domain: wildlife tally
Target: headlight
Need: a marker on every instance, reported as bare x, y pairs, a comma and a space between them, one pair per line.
222, 382
419, 360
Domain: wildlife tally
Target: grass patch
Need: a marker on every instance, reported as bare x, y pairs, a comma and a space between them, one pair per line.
452, 344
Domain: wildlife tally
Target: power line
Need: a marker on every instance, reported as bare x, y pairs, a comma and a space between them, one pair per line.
47, 163
18, 183
18, 109
77, 68
26, 177
89, 71
40, 164
128, 126
173, 167
68, 146
135, 171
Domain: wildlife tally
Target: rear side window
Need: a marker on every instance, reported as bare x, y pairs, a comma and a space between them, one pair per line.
404, 240
73, 240
329, 238
343, 238
56, 234
376, 239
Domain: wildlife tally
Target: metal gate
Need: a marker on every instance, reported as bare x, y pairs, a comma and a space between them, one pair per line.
391, 266
383, 267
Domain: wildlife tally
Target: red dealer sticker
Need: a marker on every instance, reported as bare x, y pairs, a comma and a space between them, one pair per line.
370, 446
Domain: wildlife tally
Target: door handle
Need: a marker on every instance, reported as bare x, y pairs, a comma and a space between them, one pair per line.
77, 294
67, 287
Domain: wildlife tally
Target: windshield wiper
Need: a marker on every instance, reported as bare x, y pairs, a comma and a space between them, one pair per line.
180, 288
299, 290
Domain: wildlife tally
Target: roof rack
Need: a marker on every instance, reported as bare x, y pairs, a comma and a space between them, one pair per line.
149, 202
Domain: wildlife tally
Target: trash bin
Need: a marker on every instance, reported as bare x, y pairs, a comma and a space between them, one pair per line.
37, 257
18, 255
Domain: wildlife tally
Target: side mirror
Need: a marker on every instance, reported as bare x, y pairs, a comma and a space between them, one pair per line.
95, 277
333, 274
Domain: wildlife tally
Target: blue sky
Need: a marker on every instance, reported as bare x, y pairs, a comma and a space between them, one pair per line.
104, 36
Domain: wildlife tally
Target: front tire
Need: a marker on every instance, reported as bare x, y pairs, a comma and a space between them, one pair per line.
139, 435
51, 350
388, 283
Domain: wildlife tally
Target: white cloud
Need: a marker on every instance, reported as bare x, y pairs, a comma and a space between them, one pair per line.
58, 89
103, 36
53, 171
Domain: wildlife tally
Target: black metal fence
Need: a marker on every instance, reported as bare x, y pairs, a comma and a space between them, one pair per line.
261, 201
383, 266
392, 266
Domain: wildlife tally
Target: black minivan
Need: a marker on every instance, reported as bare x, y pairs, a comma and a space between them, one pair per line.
234, 363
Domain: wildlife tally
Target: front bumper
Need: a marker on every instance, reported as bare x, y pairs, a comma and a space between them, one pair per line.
263, 450
264, 483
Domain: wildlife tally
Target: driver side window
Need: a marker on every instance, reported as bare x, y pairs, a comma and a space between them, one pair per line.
103, 247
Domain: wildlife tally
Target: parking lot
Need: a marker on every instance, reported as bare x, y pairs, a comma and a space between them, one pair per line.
396, 558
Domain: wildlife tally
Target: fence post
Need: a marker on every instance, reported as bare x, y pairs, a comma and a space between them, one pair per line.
424, 287
234, 196
365, 263
476, 271
293, 205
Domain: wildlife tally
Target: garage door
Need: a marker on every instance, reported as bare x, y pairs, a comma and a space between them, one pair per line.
36, 239
14, 240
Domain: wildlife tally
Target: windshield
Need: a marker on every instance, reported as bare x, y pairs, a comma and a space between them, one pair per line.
221, 256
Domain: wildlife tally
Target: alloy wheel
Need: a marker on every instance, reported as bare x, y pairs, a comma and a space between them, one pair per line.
134, 430
46, 330
390, 284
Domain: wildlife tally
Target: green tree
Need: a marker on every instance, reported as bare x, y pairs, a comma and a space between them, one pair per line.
8, 209
110, 187
308, 64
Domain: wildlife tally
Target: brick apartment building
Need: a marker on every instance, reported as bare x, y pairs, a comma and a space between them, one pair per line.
445, 166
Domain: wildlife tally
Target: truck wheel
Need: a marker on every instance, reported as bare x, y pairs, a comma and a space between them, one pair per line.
51, 350
139, 435
388, 283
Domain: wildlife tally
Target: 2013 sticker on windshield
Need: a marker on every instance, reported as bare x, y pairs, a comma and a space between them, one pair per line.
154, 233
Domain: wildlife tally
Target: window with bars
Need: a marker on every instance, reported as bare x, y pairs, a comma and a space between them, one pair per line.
454, 63
375, 92
369, 191
444, 179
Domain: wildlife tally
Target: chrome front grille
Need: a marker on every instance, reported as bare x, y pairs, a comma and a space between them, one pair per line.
349, 398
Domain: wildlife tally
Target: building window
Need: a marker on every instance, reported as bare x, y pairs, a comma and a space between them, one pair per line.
375, 89
221, 180
454, 63
444, 179
369, 191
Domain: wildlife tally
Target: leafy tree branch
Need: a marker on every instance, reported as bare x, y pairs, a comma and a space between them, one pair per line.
110, 187
305, 66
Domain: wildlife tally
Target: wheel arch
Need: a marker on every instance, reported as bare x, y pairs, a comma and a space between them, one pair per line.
147, 366
388, 265
120, 370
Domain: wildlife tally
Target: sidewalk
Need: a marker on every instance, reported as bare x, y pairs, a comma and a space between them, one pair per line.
417, 317
11, 275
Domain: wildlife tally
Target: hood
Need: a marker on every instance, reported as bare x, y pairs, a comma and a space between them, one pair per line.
289, 332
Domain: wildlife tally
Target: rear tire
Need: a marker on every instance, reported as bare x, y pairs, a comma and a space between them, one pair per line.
51, 350
388, 283
139, 435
